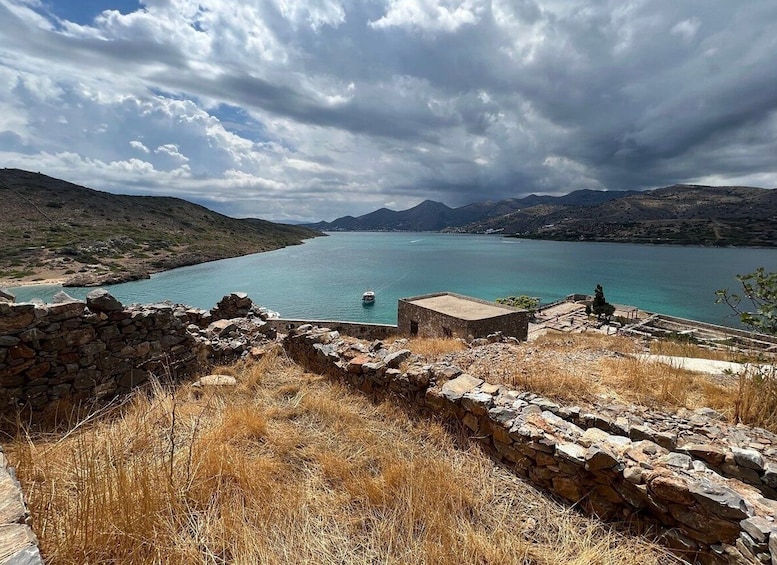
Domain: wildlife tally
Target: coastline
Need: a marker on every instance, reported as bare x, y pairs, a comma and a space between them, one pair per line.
95, 278
32, 280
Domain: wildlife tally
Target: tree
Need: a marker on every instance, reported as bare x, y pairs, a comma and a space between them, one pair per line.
600, 307
524, 302
759, 291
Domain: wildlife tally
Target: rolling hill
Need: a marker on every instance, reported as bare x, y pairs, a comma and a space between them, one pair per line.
55, 229
679, 214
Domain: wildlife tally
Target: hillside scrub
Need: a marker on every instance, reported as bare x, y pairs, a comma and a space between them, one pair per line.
289, 467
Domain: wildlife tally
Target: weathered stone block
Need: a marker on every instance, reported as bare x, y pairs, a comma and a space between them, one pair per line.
477, 402
571, 452
18, 545
770, 475
569, 488
759, 528
712, 454
100, 300
394, 360
669, 487
471, 421
80, 336
719, 500
65, 310
20, 351
38, 371
502, 415
454, 389
748, 458
15, 317
708, 529
598, 457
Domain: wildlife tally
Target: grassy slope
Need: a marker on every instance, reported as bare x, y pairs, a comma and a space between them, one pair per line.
51, 224
290, 467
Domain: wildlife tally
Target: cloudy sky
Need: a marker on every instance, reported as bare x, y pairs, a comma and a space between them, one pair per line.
313, 109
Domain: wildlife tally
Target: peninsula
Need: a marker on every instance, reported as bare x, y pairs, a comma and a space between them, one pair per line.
58, 232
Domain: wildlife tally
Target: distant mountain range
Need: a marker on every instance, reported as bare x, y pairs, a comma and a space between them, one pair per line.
679, 214
53, 229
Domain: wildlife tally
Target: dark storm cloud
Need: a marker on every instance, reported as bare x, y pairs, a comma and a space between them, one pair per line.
404, 100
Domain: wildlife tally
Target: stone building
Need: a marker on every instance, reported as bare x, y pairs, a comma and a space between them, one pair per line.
447, 314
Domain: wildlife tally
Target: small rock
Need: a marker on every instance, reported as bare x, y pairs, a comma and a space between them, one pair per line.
748, 458
678, 460
706, 452
215, 380
100, 300
394, 360
454, 389
758, 528
61, 297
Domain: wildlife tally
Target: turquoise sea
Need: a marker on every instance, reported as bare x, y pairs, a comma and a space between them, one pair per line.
325, 278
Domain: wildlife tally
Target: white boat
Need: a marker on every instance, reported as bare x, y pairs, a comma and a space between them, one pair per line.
368, 297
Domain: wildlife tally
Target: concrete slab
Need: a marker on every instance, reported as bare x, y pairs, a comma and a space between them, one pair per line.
462, 308
709, 366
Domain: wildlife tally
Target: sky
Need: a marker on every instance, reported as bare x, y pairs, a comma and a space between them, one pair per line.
307, 110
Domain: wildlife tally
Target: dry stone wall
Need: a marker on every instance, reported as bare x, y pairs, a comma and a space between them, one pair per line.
353, 329
92, 351
89, 352
709, 487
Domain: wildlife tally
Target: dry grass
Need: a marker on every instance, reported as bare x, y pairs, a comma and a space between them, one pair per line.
663, 386
588, 367
290, 468
592, 367
756, 400
432, 348
674, 348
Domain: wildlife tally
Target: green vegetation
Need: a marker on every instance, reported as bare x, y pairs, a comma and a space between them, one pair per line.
759, 290
756, 306
600, 307
524, 302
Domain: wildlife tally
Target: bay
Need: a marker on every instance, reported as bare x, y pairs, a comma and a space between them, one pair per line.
324, 278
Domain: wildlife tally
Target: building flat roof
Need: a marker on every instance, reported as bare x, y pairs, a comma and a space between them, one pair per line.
461, 307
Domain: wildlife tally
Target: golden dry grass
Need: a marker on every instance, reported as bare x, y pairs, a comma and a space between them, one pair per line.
756, 399
674, 348
290, 468
432, 348
587, 367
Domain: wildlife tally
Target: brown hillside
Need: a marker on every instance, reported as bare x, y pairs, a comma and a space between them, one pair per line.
53, 228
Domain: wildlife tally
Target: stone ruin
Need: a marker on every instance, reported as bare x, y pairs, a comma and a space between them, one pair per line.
707, 486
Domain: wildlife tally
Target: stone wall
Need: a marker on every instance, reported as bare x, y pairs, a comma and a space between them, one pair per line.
354, 329
84, 353
706, 485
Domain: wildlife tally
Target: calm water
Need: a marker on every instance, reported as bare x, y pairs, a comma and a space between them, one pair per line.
325, 277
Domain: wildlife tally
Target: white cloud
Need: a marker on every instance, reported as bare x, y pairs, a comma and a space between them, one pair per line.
310, 110
171, 150
430, 15
135, 144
